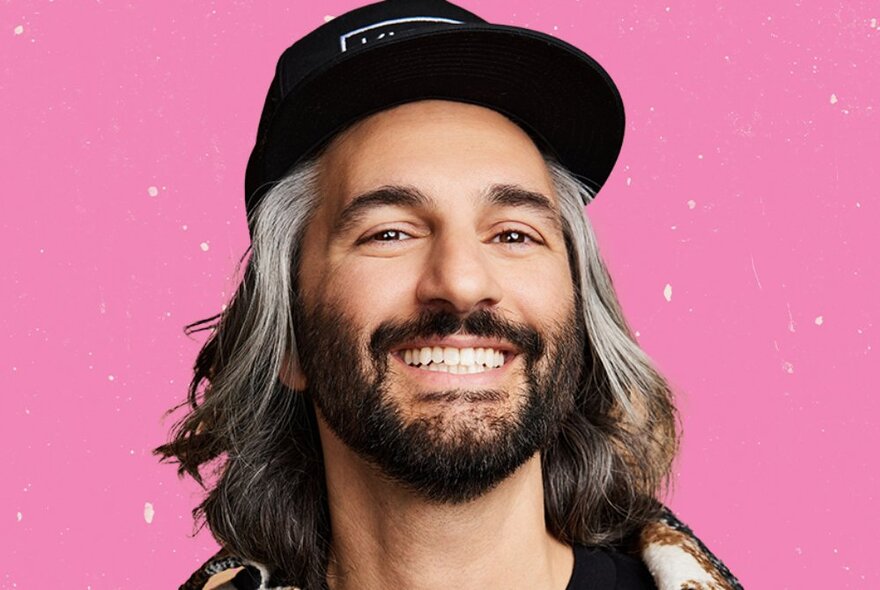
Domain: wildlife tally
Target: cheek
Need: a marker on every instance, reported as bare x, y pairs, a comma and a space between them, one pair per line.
542, 293
371, 290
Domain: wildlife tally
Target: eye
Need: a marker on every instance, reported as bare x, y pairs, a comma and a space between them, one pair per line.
515, 237
387, 235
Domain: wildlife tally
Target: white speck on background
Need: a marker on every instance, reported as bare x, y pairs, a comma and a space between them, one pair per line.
873, 23
788, 367
691, 204
629, 180
18, 516
18, 30
820, 320
790, 318
858, 205
755, 272
699, 156
148, 512
110, 377
328, 18
668, 8
184, 227
204, 246
667, 292
833, 99
152, 191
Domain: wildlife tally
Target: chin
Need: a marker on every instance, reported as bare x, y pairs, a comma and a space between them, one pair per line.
466, 428
450, 415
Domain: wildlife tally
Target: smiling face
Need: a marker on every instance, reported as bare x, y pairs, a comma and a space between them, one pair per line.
437, 322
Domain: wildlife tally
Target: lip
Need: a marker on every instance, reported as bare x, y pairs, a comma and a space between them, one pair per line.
459, 342
488, 378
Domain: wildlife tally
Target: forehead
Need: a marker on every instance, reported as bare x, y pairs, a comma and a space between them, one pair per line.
441, 147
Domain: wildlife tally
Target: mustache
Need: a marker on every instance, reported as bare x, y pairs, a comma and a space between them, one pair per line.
437, 323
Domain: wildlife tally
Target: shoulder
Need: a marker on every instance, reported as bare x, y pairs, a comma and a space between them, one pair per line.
216, 573
676, 557
226, 571
222, 580
600, 568
632, 572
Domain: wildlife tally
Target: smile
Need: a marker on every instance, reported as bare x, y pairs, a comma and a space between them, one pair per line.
458, 361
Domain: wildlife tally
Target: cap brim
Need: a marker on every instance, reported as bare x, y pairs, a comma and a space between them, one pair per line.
554, 91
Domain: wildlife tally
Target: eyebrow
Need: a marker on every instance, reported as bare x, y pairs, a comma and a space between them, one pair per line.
511, 195
385, 196
505, 195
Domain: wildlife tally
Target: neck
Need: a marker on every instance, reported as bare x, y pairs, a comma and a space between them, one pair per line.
385, 536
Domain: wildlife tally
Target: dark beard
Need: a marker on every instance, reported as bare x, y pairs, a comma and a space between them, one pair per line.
445, 463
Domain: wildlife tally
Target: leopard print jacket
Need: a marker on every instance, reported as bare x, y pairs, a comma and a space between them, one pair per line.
676, 558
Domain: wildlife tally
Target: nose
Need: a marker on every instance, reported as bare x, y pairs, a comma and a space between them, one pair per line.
458, 275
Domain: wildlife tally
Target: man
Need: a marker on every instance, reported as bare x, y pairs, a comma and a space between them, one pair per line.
424, 379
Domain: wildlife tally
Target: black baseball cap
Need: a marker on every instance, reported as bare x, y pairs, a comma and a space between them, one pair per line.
398, 51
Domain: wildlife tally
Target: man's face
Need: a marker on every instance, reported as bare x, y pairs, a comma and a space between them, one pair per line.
437, 329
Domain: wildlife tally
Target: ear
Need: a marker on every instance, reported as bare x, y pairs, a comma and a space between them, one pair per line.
291, 373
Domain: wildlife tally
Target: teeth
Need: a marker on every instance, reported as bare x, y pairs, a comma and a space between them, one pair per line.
454, 360
450, 356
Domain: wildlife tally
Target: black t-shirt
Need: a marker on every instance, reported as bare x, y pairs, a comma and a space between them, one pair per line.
594, 569
603, 569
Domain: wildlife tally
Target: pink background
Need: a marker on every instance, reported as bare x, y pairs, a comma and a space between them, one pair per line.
746, 184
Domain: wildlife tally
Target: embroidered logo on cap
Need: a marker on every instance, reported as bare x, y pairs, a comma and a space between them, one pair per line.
386, 28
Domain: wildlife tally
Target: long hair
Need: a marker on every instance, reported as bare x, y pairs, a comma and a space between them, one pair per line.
267, 502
